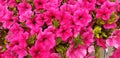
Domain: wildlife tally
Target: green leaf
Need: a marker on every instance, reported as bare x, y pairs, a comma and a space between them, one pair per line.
18, 1
55, 23
113, 15
97, 36
112, 0
60, 49
64, 1
58, 41
31, 40
104, 35
28, 56
41, 11
29, 1
112, 18
97, 51
23, 24
100, 21
14, 9
78, 40
97, 29
3, 48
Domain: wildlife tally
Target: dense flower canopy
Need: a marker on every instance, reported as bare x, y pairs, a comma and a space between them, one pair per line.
59, 28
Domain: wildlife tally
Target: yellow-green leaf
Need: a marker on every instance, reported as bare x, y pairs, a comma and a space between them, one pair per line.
28, 56
78, 40
112, 18
18, 1
112, 0
97, 29
100, 21
31, 40
58, 41
55, 23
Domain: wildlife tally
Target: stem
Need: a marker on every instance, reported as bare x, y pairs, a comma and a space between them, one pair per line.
98, 52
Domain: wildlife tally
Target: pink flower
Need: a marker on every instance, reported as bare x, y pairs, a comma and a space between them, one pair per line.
39, 3
75, 28
91, 49
35, 30
54, 55
19, 40
48, 20
114, 39
88, 56
49, 5
36, 52
32, 23
82, 17
18, 44
116, 53
79, 52
22, 7
46, 40
0, 47
68, 8
89, 4
100, 2
3, 11
64, 32
55, 3
109, 5
88, 36
51, 29
3, 2
8, 54
27, 15
101, 42
51, 14
110, 26
9, 22
72, 2
65, 17
12, 3
21, 52
103, 13
40, 19
118, 7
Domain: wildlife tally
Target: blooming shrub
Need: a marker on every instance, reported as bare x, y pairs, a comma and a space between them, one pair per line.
59, 28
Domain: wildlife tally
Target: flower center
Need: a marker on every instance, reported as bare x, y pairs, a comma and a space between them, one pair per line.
80, 17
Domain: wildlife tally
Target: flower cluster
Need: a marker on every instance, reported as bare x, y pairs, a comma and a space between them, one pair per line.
58, 28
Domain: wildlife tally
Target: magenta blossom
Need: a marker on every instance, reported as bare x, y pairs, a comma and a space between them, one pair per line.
89, 4
116, 53
101, 42
54, 55
109, 5
110, 26
82, 17
36, 52
39, 3
24, 6
103, 13
78, 52
114, 39
27, 15
87, 36
8, 54
47, 39
64, 32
